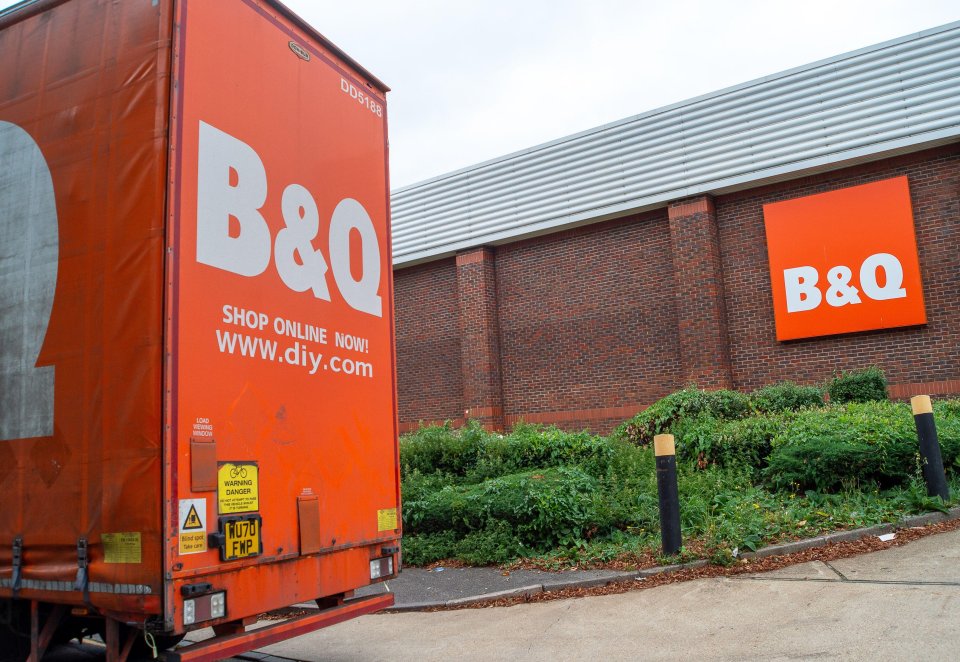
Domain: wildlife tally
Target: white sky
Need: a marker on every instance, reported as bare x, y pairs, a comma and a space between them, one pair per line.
475, 80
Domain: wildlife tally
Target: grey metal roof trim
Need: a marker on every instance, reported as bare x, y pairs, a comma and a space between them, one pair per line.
895, 97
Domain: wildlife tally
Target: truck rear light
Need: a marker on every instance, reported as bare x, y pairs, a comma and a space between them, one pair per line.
204, 608
218, 605
381, 567
189, 612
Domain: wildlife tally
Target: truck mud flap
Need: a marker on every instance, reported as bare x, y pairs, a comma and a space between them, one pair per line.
219, 648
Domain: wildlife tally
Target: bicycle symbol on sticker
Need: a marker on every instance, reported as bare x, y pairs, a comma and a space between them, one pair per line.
238, 487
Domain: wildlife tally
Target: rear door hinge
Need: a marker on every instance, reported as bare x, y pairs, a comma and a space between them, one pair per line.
83, 574
17, 577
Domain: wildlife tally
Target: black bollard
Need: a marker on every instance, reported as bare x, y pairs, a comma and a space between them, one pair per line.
929, 447
665, 452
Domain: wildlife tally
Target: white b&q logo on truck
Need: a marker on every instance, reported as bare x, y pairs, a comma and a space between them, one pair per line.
299, 265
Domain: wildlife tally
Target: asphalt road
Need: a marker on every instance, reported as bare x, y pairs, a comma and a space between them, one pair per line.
900, 603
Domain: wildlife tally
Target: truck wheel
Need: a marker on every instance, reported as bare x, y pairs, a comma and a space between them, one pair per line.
14, 631
140, 649
164, 641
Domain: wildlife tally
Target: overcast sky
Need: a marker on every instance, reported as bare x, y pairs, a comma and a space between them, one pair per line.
475, 80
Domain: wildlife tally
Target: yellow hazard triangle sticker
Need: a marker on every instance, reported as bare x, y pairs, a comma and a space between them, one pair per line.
193, 520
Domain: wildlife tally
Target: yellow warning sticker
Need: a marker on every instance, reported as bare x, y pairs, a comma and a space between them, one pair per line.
121, 547
193, 520
238, 487
193, 526
387, 519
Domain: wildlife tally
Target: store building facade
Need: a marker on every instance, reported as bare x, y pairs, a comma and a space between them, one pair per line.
786, 228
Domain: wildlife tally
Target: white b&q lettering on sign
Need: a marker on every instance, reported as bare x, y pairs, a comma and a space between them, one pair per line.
804, 294
298, 264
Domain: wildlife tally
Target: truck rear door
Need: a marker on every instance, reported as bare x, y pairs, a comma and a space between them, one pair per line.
281, 440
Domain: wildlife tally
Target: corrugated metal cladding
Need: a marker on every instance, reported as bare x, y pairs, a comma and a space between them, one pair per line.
898, 96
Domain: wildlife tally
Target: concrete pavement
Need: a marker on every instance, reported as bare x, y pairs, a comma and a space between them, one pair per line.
899, 603
418, 588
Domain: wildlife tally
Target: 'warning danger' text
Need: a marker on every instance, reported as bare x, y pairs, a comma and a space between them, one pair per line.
238, 487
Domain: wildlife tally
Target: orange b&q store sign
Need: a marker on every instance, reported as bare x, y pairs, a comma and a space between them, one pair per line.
844, 261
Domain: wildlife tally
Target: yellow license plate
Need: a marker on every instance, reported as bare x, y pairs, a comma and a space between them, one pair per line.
241, 537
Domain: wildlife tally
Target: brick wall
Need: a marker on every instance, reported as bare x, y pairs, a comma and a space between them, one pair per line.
428, 343
587, 319
592, 324
480, 337
919, 355
698, 282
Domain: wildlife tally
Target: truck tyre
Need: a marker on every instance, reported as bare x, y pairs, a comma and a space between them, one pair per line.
14, 631
140, 648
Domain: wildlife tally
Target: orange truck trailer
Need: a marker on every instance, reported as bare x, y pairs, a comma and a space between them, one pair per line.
197, 384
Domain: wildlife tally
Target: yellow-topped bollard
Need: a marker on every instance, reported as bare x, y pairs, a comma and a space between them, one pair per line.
665, 452
933, 474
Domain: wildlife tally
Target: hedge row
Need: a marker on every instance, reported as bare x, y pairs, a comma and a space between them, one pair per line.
753, 468
683, 406
594, 493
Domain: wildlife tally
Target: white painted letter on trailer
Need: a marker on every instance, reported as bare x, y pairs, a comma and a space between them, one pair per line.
302, 222
220, 157
361, 294
29, 255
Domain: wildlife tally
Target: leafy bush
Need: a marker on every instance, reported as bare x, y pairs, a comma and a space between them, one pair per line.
743, 443
525, 493
441, 448
533, 446
475, 455
564, 498
542, 508
697, 438
495, 544
867, 385
785, 396
854, 444
689, 403
426, 548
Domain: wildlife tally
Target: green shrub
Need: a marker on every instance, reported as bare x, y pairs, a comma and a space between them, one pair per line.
544, 508
428, 547
865, 385
697, 439
596, 486
576, 498
497, 543
689, 403
785, 396
854, 444
475, 455
743, 444
535, 447
629, 489
441, 448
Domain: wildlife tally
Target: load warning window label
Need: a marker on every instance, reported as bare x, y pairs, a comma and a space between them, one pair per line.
238, 487
193, 526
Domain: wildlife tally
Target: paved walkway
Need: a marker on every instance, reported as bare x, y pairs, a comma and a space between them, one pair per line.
900, 603
417, 588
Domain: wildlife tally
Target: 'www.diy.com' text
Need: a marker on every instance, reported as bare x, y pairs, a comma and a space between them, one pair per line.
296, 354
